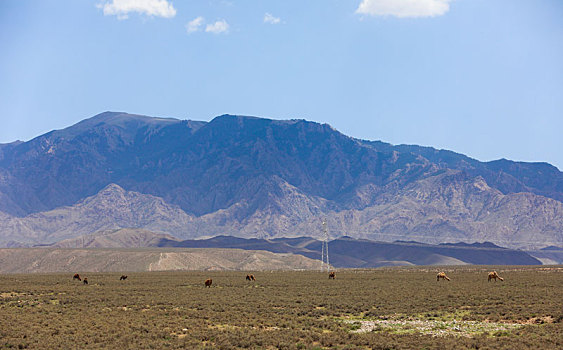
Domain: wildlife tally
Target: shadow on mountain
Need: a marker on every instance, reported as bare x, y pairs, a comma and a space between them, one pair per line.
347, 252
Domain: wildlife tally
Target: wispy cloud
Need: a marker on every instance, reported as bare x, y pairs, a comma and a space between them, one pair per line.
195, 25
218, 27
122, 8
404, 8
269, 18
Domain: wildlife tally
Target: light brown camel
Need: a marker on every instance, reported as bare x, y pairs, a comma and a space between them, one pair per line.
332, 275
208, 282
494, 275
442, 275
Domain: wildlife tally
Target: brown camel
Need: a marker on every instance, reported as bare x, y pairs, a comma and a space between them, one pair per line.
85, 280
208, 282
332, 275
123, 277
250, 278
494, 275
76, 277
442, 275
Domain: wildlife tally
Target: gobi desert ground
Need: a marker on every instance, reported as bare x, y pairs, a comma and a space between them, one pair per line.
392, 308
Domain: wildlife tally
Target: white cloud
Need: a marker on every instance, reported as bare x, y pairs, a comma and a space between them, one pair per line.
218, 27
122, 8
404, 8
269, 18
194, 25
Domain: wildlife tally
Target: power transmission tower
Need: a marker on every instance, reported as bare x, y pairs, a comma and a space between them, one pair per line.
324, 249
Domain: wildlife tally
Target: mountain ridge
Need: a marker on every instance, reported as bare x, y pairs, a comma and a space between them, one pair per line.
345, 252
260, 177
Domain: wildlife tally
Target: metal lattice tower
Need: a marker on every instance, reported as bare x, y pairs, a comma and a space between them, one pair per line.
324, 249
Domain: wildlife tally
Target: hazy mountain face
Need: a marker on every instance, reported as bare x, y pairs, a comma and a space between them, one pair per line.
260, 177
111, 208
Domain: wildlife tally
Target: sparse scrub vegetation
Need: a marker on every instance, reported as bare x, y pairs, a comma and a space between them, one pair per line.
285, 310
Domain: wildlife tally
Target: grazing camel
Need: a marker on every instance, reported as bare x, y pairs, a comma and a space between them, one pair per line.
208, 282
85, 280
76, 277
442, 275
332, 275
123, 277
494, 275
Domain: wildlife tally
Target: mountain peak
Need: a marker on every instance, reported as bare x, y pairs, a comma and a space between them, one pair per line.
110, 117
112, 188
125, 121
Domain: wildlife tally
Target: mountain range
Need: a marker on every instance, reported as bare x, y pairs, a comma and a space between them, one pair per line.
263, 178
345, 252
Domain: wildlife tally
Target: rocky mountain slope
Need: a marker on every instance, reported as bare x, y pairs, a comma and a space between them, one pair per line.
257, 177
111, 208
444, 208
117, 238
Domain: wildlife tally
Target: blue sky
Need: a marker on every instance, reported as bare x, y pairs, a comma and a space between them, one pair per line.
480, 77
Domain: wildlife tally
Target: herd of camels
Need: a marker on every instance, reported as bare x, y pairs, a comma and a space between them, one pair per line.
332, 275
85, 280
492, 275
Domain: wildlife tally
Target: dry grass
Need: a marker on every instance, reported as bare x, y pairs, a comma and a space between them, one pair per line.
286, 310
